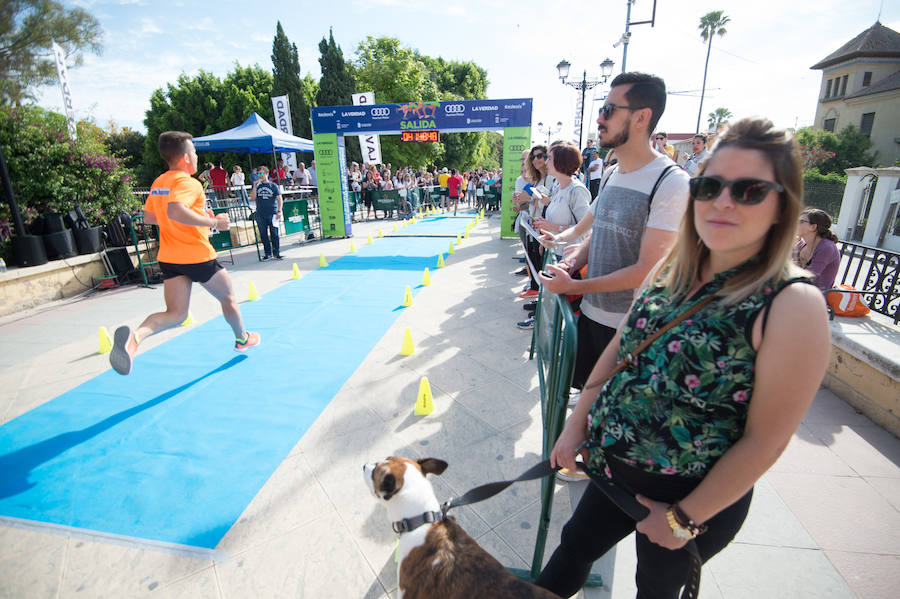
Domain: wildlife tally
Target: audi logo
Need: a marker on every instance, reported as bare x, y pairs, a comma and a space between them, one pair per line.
454, 108
381, 112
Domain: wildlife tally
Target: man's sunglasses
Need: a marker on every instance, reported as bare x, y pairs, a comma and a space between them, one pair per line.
743, 191
607, 109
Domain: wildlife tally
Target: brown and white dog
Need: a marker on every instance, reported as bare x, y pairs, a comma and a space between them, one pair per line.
438, 560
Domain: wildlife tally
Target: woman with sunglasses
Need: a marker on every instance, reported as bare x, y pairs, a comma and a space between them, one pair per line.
704, 410
535, 172
816, 250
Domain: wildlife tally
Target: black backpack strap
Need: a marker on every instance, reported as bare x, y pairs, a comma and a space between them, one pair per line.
659, 181
613, 169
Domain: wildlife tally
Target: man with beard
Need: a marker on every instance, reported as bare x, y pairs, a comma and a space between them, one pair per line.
634, 219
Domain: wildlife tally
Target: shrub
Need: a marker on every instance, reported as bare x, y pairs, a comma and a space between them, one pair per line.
51, 173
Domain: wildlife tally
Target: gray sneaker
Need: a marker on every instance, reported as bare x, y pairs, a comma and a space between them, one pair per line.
574, 396
528, 323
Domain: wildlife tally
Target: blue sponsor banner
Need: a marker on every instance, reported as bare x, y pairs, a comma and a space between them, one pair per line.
468, 115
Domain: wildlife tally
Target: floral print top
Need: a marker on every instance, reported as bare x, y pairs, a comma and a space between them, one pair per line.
683, 402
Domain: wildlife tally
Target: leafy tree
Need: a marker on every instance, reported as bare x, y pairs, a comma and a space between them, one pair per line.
711, 24
717, 118
203, 105
835, 153
26, 30
286, 74
336, 84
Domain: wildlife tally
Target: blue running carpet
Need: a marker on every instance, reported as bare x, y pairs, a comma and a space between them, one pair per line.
174, 452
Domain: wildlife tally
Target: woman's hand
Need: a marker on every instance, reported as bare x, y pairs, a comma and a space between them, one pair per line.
569, 445
559, 282
656, 526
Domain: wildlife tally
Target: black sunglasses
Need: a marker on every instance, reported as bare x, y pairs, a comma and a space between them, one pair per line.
607, 109
743, 191
538, 155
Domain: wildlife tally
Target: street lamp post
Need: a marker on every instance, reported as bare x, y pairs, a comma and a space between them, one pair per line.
585, 84
550, 130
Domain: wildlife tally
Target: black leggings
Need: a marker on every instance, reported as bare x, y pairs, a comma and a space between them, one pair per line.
593, 338
598, 525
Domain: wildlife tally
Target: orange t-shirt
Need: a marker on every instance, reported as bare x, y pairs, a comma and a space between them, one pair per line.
178, 243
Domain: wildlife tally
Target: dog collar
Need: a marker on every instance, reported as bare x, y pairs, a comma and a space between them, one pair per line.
410, 524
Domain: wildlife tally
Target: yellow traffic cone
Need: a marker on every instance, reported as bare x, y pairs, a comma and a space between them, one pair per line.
380, 234
458, 240
322, 262
395, 227
426, 278
370, 239
352, 247
407, 349
188, 321
424, 401
295, 272
253, 294
440, 261
106, 343
466, 234
407, 297
452, 251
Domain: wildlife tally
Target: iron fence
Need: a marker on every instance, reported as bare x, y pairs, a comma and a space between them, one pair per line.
874, 272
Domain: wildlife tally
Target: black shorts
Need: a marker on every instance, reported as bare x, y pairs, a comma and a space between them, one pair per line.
198, 273
454, 197
443, 191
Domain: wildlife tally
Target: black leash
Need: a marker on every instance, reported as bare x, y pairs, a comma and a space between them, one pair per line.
622, 498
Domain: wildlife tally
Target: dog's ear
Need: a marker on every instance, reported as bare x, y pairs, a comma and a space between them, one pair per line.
388, 486
432, 466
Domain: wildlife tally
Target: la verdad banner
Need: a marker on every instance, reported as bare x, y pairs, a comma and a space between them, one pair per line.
282, 107
68, 105
369, 144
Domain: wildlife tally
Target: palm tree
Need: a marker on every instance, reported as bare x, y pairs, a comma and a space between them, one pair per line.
718, 117
712, 23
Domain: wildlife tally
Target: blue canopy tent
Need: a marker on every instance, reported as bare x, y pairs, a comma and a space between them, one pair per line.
254, 135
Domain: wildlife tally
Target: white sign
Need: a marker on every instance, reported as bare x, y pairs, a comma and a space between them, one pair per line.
369, 144
66, 90
282, 107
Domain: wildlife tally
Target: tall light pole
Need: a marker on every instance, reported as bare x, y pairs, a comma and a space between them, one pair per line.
585, 84
550, 130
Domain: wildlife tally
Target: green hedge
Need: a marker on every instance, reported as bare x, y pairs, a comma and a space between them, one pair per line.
824, 192
51, 173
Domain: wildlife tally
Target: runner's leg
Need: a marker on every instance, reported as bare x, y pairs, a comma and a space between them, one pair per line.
219, 285
177, 293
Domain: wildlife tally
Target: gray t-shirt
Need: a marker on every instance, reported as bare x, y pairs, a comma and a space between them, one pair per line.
568, 206
621, 214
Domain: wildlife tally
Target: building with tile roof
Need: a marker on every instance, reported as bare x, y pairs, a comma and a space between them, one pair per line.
861, 87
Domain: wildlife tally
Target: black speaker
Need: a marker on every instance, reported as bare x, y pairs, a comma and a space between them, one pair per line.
53, 223
29, 250
60, 244
122, 266
88, 240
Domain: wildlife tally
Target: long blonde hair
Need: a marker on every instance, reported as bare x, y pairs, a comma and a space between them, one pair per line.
681, 267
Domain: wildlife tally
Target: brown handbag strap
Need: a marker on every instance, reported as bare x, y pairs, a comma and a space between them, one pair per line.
629, 358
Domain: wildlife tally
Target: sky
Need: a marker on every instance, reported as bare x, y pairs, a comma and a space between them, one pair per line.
760, 67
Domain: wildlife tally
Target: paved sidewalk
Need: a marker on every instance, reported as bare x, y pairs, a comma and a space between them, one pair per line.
825, 521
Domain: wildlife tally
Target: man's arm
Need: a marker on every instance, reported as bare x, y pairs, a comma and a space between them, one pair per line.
280, 203
655, 244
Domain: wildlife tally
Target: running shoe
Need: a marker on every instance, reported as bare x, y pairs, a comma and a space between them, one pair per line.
529, 293
529, 306
521, 272
249, 341
124, 347
526, 324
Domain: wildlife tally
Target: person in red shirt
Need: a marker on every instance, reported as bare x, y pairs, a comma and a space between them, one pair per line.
219, 178
454, 183
278, 175
176, 204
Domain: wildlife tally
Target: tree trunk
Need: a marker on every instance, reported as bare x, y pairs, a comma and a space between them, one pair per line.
703, 91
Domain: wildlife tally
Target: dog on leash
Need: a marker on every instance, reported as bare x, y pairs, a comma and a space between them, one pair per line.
437, 559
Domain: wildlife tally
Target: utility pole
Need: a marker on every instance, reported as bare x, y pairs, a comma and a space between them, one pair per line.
626, 37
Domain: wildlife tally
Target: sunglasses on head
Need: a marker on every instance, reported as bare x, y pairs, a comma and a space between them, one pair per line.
607, 109
743, 191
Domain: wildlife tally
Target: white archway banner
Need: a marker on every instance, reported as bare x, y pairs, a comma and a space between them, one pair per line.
369, 144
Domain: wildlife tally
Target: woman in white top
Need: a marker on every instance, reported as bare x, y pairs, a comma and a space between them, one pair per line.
570, 200
237, 181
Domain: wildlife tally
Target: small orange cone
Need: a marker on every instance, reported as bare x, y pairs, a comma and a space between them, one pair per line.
424, 401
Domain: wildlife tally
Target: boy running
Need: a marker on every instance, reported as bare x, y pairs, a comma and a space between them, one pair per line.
176, 205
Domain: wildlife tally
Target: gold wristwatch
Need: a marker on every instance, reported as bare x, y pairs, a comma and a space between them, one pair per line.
682, 527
